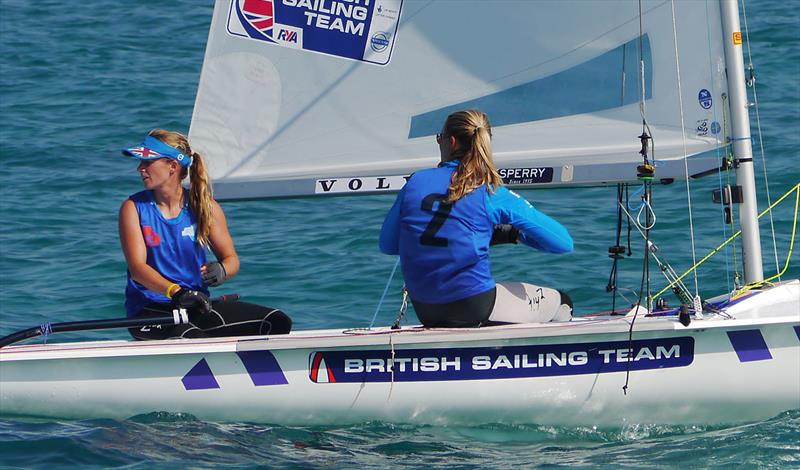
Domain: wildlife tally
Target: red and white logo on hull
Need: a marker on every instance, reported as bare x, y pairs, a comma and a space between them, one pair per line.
319, 372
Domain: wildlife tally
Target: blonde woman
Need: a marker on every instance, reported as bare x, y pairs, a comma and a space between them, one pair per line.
442, 224
166, 231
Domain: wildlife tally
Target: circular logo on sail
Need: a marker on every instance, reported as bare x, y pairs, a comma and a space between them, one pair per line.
715, 128
704, 97
379, 42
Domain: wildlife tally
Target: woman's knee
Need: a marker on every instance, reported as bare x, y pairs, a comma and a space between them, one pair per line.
275, 323
519, 302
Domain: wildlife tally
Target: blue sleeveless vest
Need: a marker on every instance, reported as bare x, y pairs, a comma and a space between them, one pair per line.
172, 250
444, 248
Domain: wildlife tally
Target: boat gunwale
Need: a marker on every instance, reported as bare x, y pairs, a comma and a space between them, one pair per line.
338, 338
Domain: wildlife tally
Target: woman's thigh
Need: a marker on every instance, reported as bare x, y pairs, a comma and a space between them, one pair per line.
227, 318
519, 302
235, 318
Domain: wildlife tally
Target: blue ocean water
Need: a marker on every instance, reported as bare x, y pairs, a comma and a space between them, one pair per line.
80, 81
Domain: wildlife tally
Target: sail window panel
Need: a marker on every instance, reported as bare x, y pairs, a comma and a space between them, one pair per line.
605, 82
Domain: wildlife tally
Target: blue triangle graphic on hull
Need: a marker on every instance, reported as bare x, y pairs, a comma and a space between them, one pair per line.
200, 377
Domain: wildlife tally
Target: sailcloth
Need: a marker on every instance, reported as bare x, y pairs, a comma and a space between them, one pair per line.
314, 97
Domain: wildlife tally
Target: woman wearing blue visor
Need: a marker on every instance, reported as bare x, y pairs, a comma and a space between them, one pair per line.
166, 231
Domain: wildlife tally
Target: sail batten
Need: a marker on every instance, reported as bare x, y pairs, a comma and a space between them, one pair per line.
559, 80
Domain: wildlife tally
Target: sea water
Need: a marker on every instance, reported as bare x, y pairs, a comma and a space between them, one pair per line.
81, 80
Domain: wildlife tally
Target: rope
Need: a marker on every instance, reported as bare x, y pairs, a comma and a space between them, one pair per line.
383, 296
643, 208
615, 256
635, 193
403, 308
796, 188
47, 329
642, 104
683, 135
648, 211
645, 197
391, 368
645, 276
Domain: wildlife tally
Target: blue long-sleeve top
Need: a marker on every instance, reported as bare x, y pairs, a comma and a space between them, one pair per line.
444, 249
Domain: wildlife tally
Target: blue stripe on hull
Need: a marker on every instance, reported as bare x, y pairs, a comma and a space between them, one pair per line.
749, 345
262, 367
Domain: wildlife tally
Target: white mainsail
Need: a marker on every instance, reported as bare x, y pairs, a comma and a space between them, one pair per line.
283, 110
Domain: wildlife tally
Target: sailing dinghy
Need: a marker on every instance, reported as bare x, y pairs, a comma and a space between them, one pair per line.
322, 97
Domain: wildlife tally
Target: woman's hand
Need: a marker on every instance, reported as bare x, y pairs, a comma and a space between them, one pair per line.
213, 274
222, 243
504, 233
193, 300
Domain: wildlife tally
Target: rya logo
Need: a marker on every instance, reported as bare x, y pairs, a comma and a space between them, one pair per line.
287, 36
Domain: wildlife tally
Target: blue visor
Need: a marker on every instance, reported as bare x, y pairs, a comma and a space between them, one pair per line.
152, 149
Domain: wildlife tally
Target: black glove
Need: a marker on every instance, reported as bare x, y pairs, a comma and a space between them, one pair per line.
215, 274
504, 233
192, 300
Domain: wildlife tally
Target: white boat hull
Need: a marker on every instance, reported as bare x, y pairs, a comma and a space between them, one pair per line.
716, 370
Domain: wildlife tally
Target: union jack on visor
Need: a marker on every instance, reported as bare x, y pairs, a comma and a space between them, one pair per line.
152, 149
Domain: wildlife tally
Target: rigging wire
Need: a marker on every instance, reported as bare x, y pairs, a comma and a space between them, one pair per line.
683, 134
722, 149
751, 82
666, 269
383, 296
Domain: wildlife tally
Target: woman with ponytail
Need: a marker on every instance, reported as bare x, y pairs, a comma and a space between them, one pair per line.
442, 224
166, 231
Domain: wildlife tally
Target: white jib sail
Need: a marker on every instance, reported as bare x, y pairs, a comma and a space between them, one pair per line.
304, 97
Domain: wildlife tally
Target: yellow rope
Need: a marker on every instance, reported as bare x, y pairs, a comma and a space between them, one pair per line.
788, 257
796, 189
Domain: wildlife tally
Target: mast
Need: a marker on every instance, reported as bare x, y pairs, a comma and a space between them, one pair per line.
742, 145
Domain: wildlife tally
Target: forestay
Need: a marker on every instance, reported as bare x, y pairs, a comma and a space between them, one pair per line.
311, 97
